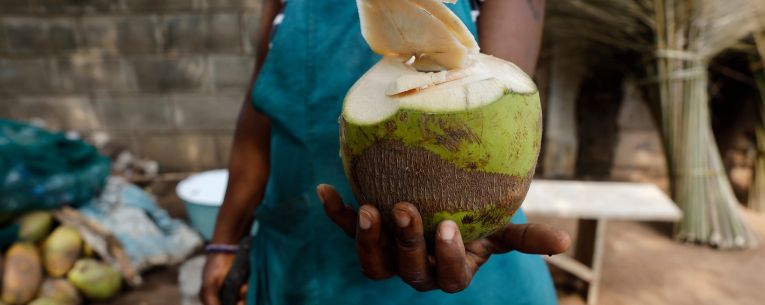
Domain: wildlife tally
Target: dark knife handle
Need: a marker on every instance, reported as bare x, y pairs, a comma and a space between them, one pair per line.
237, 275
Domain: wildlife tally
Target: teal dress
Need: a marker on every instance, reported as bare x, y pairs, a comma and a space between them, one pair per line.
299, 256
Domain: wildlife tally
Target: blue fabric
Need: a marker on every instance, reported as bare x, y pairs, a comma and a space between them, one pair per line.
299, 256
147, 233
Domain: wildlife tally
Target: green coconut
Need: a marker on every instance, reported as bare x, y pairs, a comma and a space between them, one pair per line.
44, 301
60, 250
60, 291
95, 280
22, 273
456, 137
35, 225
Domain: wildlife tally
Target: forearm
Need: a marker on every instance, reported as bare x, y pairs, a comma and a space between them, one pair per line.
249, 159
248, 174
512, 30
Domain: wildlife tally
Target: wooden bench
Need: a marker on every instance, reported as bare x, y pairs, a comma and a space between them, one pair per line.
593, 204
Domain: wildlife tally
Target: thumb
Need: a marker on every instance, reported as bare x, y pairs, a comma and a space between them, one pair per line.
215, 270
530, 238
341, 214
243, 295
209, 294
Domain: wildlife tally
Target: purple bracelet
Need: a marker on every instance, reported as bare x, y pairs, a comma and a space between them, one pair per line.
221, 248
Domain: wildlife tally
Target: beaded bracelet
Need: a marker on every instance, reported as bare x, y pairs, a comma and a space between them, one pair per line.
221, 248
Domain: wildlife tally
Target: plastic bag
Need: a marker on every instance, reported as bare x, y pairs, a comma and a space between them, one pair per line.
45, 170
146, 234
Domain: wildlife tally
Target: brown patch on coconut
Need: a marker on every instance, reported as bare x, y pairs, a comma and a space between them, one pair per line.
429, 182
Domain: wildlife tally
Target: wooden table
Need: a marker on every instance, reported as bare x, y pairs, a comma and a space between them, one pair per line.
593, 204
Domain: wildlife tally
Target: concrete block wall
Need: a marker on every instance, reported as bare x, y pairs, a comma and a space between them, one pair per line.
166, 78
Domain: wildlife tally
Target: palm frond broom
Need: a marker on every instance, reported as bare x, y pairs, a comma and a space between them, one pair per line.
756, 200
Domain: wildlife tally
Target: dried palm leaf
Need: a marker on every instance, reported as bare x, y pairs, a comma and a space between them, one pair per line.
756, 200
674, 41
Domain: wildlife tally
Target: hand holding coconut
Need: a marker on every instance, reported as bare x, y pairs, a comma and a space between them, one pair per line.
450, 265
443, 141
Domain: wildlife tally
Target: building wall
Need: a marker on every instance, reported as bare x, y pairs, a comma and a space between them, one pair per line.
166, 78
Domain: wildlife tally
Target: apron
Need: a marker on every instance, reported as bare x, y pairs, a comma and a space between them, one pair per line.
298, 255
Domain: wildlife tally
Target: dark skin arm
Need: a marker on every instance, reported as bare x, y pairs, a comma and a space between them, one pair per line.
509, 29
512, 30
248, 168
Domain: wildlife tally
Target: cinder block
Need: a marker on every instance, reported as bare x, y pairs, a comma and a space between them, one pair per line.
249, 31
8, 105
20, 76
196, 33
185, 33
79, 6
94, 72
20, 6
224, 143
3, 43
62, 35
158, 74
130, 34
140, 113
59, 112
25, 35
207, 112
176, 152
224, 32
163, 5
29, 35
100, 32
233, 4
232, 71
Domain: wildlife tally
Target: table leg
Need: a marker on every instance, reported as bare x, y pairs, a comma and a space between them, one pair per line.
589, 251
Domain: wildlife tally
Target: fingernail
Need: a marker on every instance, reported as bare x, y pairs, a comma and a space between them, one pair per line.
364, 220
402, 218
447, 231
320, 193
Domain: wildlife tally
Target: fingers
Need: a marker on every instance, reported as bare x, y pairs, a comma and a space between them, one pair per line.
370, 244
342, 215
209, 292
242, 295
209, 296
452, 271
530, 238
478, 252
411, 251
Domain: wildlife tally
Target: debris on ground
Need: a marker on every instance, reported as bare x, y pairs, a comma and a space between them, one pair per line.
73, 228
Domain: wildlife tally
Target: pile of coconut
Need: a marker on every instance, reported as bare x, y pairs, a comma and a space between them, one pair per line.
51, 265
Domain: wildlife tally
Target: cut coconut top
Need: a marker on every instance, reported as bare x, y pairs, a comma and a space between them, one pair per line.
424, 29
424, 35
391, 85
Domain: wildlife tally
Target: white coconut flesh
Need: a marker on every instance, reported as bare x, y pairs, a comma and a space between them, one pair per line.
431, 63
391, 85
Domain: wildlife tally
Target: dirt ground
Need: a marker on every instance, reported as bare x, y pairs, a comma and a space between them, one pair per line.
642, 266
